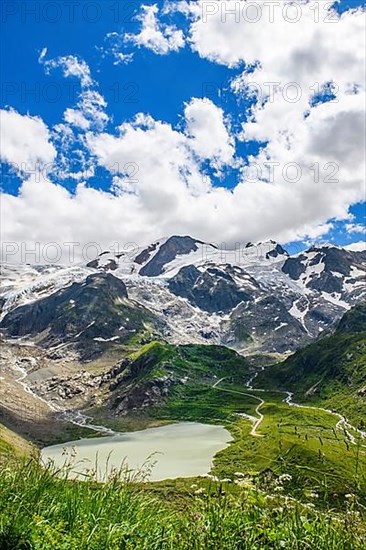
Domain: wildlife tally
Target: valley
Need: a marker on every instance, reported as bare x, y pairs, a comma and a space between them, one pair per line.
268, 357
208, 385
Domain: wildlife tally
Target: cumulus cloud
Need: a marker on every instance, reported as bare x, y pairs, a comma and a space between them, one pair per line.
208, 133
25, 141
153, 160
308, 172
159, 190
154, 35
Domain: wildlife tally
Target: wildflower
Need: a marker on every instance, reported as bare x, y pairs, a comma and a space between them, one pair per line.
240, 483
194, 486
244, 483
199, 491
282, 544
285, 477
239, 474
213, 478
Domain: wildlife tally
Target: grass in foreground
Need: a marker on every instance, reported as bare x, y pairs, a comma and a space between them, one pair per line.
40, 511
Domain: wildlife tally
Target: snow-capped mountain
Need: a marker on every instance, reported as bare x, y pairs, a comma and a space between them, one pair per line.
254, 297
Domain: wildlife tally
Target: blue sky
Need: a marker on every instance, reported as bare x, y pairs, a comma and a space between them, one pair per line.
159, 84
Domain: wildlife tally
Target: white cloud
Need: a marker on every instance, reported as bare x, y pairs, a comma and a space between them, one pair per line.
114, 43
232, 32
160, 191
359, 246
88, 113
25, 141
71, 66
154, 35
157, 169
355, 228
91, 105
42, 55
208, 133
76, 118
158, 157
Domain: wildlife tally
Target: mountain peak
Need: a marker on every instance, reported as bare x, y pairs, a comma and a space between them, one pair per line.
167, 252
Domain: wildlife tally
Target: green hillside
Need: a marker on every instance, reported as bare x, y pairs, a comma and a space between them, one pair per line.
13, 445
162, 382
331, 371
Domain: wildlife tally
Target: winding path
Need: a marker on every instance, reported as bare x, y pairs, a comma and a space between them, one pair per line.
255, 420
342, 423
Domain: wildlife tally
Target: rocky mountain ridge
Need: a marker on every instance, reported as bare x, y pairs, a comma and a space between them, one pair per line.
252, 298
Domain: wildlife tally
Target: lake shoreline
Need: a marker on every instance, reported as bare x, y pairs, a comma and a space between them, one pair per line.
180, 449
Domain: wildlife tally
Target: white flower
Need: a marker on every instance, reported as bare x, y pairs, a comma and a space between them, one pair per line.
213, 478
285, 477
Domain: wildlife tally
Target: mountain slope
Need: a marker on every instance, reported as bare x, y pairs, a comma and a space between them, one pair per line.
168, 252
331, 371
88, 314
160, 372
12, 444
215, 288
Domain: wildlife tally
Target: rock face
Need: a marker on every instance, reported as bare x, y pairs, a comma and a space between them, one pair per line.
214, 289
276, 251
144, 256
89, 314
294, 267
266, 320
167, 252
151, 392
326, 269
